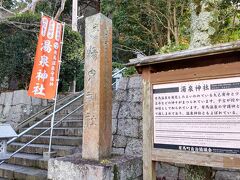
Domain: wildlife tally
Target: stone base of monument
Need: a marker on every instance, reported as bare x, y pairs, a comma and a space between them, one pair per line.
75, 168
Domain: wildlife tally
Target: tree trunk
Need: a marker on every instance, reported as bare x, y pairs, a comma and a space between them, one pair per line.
75, 15
34, 4
98, 5
175, 24
31, 7
168, 23
203, 14
60, 10
74, 28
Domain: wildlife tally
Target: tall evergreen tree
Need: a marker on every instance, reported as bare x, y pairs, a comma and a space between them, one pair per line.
204, 19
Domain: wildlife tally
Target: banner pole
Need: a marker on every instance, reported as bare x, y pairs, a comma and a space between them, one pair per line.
56, 93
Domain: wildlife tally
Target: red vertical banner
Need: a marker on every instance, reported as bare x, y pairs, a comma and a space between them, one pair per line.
46, 63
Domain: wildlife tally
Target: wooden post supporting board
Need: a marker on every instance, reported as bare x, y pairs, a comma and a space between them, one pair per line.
148, 164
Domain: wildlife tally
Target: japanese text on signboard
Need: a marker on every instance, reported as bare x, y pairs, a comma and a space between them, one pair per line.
198, 116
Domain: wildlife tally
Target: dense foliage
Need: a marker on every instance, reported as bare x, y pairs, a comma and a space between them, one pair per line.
18, 39
228, 24
162, 26
146, 26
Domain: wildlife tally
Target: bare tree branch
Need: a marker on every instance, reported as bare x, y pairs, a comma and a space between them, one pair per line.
60, 10
31, 7
18, 25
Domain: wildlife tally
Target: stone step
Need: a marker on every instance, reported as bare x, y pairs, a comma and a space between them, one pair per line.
65, 110
17, 172
75, 103
58, 117
65, 123
71, 117
73, 106
40, 148
59, 131
30, 160
56, 140
75, 121
68, 111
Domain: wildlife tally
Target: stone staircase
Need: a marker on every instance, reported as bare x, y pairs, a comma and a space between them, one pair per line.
29, 163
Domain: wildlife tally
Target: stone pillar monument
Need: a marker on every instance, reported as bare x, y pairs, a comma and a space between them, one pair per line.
97, 115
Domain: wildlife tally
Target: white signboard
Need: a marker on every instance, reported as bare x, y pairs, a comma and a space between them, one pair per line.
201, 116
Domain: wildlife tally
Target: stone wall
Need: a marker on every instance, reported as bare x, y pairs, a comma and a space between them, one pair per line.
127, 130
17, 105
127, 117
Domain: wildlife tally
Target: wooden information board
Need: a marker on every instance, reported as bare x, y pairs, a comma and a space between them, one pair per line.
191, 107
198, 116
